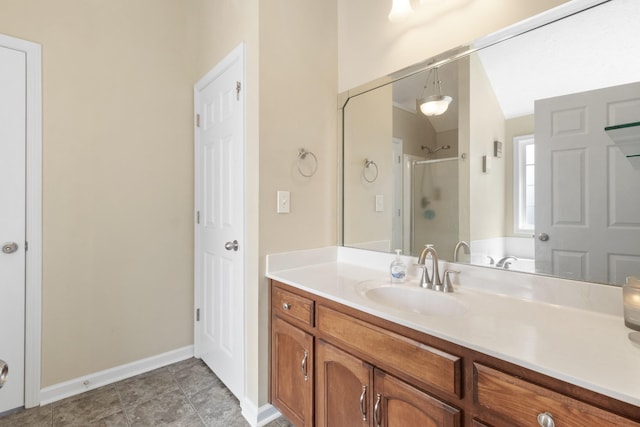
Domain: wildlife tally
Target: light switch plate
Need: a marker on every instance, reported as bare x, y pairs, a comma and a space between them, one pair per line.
379, 203
486, 164
283, 202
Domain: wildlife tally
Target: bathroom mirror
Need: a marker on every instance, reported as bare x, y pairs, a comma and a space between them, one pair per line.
521, 165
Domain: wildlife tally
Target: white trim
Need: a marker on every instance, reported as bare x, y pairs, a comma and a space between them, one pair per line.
33, 273
109, 376
258, 417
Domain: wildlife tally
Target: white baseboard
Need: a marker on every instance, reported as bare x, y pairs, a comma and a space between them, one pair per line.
258, 417
109, 376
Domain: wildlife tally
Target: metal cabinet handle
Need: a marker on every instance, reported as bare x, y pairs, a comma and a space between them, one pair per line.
4, 371
231, 246
363, 406
304, 365
376, 410
545, 419
286, 306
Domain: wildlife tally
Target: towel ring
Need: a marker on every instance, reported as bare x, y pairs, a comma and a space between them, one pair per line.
368, 163
302, 154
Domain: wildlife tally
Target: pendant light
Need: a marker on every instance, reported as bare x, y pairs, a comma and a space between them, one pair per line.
436, 104
400, 10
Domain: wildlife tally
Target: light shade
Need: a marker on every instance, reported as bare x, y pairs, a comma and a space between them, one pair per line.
400, 10
434, 105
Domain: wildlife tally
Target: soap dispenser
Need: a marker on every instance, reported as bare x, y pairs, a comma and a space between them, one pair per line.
398, 269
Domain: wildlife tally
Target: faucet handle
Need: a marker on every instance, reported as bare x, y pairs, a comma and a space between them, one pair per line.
448, 286
424, 279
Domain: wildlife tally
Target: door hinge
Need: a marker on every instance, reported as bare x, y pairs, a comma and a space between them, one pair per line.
26, 246
197, 217
198, 315
197, 120
238, 88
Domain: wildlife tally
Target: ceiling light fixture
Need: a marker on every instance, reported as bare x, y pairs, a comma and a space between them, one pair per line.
400, 10
437, 103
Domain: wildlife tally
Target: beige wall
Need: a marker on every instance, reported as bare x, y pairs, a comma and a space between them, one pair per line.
118, 81
368, 121
298, 106
415, 130
370, 46
486, 125
117, 179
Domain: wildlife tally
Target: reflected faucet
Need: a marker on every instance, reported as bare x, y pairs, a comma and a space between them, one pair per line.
461, 244
502, 263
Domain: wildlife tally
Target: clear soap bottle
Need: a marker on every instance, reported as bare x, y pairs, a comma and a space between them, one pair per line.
398, 269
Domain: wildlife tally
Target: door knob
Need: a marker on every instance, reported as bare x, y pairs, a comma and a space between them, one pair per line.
9, 247
231, 246
543, 237
4, 371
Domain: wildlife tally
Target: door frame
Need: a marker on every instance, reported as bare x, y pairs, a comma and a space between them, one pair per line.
237, 54
33, 271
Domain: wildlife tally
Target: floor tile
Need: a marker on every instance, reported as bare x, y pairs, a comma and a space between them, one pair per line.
195, 378
215, 403
171, 408
119, 419
187, 363
87, 407
40, 416
185, 394
139, 389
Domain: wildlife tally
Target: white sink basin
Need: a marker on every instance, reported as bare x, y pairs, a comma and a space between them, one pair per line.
412, 297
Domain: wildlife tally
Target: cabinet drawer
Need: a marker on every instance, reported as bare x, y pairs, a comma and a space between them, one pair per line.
289, 305
393, 351
520, 402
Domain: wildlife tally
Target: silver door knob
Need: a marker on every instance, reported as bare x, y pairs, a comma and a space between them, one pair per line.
9, 247
231, 246
4, 371
543, 237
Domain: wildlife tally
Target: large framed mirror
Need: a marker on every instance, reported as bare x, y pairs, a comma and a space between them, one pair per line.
534, 165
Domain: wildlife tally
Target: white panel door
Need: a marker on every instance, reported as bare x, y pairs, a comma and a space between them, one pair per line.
220, 231
12, 223
587, 201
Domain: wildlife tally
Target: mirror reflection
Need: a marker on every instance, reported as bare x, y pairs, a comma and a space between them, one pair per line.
535, 161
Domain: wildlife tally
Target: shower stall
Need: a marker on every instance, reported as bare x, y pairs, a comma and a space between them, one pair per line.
433, 209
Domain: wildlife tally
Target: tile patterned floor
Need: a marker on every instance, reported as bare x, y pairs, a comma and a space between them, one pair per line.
184, 394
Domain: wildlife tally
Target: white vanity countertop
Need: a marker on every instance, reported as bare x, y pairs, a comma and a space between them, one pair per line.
583, 347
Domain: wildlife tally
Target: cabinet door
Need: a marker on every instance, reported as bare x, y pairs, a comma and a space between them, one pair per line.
397, 404
292, 372
343, 388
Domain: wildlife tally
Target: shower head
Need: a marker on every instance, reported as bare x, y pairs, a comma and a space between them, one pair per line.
431, 151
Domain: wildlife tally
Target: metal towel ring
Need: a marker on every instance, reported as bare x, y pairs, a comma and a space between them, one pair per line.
368, 163
302, 154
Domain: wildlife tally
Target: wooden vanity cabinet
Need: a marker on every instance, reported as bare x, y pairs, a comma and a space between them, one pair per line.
398, 404
371, 372
518, 402
292, 372
351, 392
344, 388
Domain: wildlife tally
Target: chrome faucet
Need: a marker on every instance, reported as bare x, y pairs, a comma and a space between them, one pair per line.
429, 282
460, 244
502, 263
